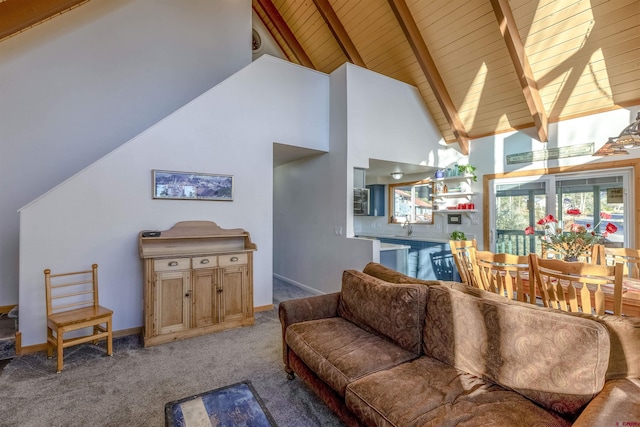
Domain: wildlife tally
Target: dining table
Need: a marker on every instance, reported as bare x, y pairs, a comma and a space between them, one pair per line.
630, 297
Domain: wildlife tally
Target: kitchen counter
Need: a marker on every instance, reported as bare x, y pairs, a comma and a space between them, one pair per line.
392, 247
404, 237
427, 258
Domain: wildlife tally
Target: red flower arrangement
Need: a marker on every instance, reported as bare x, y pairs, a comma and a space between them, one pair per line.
575, 242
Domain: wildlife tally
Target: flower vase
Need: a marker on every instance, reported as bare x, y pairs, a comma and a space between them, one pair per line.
571, 258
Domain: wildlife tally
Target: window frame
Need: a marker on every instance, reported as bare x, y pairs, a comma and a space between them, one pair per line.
392, 205
632, 193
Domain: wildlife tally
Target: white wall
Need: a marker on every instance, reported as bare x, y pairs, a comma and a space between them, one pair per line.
371, 116
96, 215
77, 86
489, 153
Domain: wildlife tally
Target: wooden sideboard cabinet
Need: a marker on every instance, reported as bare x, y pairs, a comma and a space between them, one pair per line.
198, 279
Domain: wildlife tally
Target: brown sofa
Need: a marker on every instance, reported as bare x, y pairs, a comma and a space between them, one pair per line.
395, 352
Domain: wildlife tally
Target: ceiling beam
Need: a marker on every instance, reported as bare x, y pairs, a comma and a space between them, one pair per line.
281, 26
412, 33
19, 15
509, 31
339, 32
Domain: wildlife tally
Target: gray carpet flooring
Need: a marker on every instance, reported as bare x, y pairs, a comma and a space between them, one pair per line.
131, 387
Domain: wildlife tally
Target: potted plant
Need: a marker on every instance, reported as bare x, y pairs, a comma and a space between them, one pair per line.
467, 170
458, 235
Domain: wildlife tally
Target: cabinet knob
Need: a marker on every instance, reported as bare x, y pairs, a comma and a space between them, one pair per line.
188, 294
173, 263
234, 258
204, 261
219, 290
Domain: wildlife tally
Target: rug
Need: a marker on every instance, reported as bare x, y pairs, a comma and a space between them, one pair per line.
234, 405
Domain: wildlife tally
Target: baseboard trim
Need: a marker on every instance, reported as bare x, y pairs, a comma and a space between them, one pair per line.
20, 350
297, 284
4, 309
263, 308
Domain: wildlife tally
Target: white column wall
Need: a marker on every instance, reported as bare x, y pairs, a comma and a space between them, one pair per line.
79, 85
95, 216
371, 116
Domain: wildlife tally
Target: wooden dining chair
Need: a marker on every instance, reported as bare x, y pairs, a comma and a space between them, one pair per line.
503, 274
628, 257
576, 286
460, 253
72, 304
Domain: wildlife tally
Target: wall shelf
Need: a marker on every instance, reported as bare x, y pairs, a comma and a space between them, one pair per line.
454, 178
462, 182
454, 194
455, 211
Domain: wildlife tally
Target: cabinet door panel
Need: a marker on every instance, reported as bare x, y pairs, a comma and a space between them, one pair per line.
234, 293
172, 308
205, 286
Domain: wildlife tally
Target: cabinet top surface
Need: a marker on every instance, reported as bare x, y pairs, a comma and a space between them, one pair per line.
197, 229
194, 237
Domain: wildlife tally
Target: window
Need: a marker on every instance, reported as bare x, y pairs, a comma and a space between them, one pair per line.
411, 202
519, 202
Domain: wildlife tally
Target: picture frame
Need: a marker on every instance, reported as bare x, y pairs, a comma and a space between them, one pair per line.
454, 219
174, 185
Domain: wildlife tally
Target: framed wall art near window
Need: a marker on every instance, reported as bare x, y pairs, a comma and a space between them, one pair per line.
191, 186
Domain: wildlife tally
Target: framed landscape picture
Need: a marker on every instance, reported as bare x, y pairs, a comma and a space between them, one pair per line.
192, 186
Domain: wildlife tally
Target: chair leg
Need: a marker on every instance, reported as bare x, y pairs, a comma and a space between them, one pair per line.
59, 349
109, 338
49, 345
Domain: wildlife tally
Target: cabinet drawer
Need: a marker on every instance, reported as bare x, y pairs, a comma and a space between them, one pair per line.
204, 262
171, 264
232, 259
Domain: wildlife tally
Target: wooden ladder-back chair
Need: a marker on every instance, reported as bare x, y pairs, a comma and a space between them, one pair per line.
460, 253
576, 286
72, 304
629, 258
503, 274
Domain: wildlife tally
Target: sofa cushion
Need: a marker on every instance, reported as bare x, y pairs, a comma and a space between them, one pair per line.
340, 352
556, 360
392, 276
624, 333
395, 312
429, 392
617, 405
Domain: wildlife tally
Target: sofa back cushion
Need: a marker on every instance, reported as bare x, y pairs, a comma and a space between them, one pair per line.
392, 276
624, 333
556, 360
393, 311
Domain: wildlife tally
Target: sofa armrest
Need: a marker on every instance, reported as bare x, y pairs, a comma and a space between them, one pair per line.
310, 308
617, 404
302, 310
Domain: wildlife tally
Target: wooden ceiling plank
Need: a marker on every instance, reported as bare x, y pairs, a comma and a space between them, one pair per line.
286, 33
410, 29
19, 15
608, 14
528, 83
339, 32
